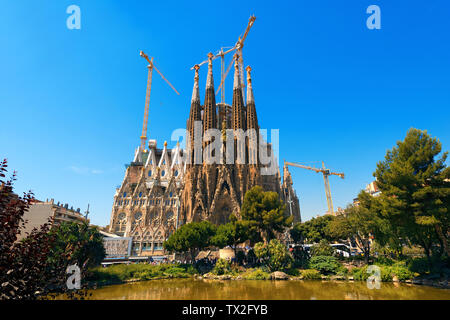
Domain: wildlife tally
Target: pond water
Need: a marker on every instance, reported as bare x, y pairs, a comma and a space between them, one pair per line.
190, 289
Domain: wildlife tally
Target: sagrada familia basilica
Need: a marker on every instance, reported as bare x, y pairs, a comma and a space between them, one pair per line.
166, 188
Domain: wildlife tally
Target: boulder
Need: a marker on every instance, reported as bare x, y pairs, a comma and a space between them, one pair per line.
395, 279
278, 275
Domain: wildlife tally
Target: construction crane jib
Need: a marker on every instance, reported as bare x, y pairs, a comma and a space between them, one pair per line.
238, 47
150, 67
326, 173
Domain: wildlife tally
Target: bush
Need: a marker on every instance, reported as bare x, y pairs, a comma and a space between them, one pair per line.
439, 266
222, 267
322, 248
386, 273
361, 274
325, 264
256, 274
311, 274
293, 272
274, 255
402, 272
384, 261
240, 257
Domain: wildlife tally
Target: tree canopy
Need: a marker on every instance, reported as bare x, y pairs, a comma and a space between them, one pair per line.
86, 241
415, 191
233, 233
313, 230
191, 237
265, 211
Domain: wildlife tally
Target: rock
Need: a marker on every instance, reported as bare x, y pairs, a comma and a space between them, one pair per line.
278, 275
427, 282
395, 279
351, 278
337, 277
408, 281
238, 278
224, 277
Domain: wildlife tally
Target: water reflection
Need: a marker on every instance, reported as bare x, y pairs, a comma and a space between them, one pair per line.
181, 289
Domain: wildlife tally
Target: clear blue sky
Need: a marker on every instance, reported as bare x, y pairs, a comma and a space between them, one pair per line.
71, 101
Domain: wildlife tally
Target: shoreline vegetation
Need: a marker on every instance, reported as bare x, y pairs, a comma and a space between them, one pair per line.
122, 273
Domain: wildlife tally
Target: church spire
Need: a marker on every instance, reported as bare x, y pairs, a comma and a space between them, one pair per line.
252, 119
196, 91
195, 113
252, 122
238, 111
209, 116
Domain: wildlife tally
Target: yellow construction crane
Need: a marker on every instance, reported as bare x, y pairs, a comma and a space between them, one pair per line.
326, 173
238, 47
151, 66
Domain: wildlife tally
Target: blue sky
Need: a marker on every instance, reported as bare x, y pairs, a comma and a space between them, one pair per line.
72, 101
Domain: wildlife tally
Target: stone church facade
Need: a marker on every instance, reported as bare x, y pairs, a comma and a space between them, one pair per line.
166, 188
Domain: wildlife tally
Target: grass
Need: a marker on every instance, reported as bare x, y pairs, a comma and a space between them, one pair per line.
122, 272
255, 274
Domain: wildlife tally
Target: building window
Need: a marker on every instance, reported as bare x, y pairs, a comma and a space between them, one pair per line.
124, 194
149, 173
176, 173
138, 216
140, 194
170, 194
163, 173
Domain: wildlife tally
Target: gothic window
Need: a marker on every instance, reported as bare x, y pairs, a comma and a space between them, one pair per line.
169, 215
137, 216
149, 173
170, 194
163, 173
176, 173
124, 194
140, 194
121, 222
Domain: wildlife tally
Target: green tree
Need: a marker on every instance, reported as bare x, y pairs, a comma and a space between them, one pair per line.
325, 264
233, 233
274, 255
322, 248
415, 191
313, 230
86, 241
358, 223
266, 212
191, 237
